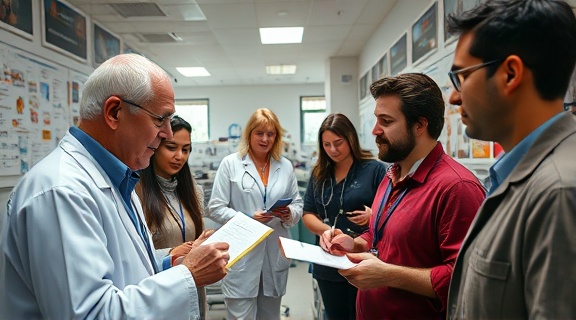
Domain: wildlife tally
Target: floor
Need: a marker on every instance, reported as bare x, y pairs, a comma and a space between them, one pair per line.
298, 298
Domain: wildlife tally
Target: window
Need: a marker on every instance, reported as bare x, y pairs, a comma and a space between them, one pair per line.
312, 113
196, 113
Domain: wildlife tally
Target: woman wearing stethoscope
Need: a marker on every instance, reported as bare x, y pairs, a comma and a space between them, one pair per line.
172, 201
344, 180
249, 182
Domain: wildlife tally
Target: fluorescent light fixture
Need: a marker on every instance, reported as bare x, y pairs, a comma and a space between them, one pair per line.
281, 69
193, 71
281, 35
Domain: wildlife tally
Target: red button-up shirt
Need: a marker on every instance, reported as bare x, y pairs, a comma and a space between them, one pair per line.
424, 231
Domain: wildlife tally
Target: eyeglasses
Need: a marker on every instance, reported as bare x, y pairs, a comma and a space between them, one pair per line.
568, 105
159, 122
457, 76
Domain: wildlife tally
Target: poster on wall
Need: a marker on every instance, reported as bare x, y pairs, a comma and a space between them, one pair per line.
363, 86
34, 110
106, 44
16, 17
375, 73
75, 85
383, 66
456, 7
398, 59
367, 122
424, 35
64, 29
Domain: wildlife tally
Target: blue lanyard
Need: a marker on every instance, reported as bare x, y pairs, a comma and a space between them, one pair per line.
183, 223
181, 215
379, 233
141, 229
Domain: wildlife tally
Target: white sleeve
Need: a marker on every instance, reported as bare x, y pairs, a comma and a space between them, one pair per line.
60, 247
218, 206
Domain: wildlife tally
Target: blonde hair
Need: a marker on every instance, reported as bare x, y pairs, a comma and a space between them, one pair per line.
262, 117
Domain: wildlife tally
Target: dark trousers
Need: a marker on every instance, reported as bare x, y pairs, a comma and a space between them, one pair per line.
339, 299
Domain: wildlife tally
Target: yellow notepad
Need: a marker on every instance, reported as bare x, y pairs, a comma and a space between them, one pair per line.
242, 233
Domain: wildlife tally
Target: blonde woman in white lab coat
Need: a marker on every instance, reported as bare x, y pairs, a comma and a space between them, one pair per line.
249, 182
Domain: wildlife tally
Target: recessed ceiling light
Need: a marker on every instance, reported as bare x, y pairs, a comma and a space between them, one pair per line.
281, 69
193, 71
281, 35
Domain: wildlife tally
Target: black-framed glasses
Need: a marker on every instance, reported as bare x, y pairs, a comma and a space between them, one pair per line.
159, 122
568, 105
456, 74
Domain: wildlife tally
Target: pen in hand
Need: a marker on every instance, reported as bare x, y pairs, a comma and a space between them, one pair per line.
334, 225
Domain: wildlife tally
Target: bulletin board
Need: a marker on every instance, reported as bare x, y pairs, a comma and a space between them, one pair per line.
38, 103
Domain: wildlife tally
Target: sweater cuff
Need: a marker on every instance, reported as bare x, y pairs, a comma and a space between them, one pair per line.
166, 262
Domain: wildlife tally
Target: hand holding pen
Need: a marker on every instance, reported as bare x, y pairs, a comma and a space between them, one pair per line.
335, 242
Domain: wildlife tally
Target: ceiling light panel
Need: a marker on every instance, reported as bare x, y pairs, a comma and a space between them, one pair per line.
281, 35
138, 9
193, 71
281, 69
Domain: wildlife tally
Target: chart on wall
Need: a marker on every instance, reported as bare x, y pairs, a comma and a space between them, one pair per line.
367, 121
34, 109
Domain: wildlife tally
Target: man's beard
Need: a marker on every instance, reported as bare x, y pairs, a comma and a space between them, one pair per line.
396, 151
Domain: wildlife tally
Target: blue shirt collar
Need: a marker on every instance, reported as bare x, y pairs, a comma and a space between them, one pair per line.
500, 170
122, 177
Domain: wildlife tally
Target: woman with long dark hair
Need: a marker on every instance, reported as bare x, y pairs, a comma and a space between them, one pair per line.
343, 184
172, 201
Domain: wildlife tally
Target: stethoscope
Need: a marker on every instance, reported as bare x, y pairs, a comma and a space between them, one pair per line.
247, 176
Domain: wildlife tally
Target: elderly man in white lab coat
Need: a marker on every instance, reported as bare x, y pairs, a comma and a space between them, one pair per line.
74, 244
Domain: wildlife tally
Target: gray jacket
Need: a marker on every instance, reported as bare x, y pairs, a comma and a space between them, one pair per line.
518, 259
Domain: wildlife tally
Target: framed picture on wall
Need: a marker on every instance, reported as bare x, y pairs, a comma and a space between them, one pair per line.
456, 7
16, 17
106, 44
64, 29
375, 73
383, 62
398, 59
425, 34
363, 86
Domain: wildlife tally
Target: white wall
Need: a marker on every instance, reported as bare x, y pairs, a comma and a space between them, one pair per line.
342, 97
34, 45
235, 104
399, 21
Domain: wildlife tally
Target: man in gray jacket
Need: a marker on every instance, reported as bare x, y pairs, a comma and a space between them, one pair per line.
75, 244
511, 70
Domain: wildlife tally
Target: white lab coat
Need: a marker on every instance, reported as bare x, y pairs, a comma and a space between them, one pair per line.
68, 249
238, 189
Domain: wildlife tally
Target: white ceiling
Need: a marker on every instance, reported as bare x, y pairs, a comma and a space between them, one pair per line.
228, 44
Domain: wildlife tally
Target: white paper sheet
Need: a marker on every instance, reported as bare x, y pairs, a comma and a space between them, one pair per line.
242, 233
297, 250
